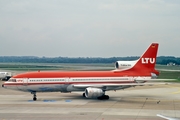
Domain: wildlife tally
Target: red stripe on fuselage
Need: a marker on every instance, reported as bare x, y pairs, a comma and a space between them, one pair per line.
71, 74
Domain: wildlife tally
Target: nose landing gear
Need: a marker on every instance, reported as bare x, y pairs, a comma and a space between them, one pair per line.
34, 96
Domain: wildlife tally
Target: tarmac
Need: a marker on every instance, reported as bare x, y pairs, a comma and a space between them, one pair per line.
138, 103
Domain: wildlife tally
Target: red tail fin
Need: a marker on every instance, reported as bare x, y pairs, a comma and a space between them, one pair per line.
147, 61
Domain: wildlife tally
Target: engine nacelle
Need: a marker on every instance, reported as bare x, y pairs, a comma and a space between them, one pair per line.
124, 65
93, 92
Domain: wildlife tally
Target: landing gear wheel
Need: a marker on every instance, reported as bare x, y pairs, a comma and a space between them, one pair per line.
100, 98
104, 97
84, 95
34, 96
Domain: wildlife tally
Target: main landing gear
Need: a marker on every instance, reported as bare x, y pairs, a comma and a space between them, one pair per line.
34, 96
104, 97
84, 95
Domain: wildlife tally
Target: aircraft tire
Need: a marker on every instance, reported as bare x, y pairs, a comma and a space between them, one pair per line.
34, 98
104, 97
84, 95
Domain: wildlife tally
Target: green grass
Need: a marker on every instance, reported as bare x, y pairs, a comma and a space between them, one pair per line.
48, 66
170, 75
165, 67
169, 72
21, 67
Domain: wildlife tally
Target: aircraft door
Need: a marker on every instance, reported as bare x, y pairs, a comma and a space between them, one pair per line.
25, 81
67, 80
131, 79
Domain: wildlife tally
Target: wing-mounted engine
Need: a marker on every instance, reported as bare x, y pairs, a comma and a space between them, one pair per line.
124, 65
93, 92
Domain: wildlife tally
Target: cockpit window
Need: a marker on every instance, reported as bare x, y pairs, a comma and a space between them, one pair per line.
12, 80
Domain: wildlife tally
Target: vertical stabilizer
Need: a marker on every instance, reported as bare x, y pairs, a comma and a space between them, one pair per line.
147, 61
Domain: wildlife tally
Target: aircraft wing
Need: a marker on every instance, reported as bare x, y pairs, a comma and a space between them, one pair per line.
115, 85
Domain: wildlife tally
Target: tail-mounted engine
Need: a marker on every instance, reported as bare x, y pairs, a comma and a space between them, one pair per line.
124, 65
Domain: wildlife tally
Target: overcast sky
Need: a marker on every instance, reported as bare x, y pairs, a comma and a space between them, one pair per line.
88, 28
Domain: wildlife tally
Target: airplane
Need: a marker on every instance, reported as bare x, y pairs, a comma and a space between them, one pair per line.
93, 84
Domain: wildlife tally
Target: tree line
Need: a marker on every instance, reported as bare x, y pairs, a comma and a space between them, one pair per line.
163, 60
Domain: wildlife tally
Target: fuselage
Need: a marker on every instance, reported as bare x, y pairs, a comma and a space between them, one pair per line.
65, 81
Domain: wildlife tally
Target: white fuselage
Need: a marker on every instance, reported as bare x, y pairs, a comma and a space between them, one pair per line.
67, 84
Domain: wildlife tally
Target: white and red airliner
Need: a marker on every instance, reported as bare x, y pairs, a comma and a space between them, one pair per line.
94, 84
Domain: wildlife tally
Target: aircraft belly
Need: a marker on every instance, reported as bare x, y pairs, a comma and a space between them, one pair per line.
22, 87
72, 88
11, 87
45, 88
117, 88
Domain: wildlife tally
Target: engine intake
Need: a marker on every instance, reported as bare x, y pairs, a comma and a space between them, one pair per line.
93, 92
123, 65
